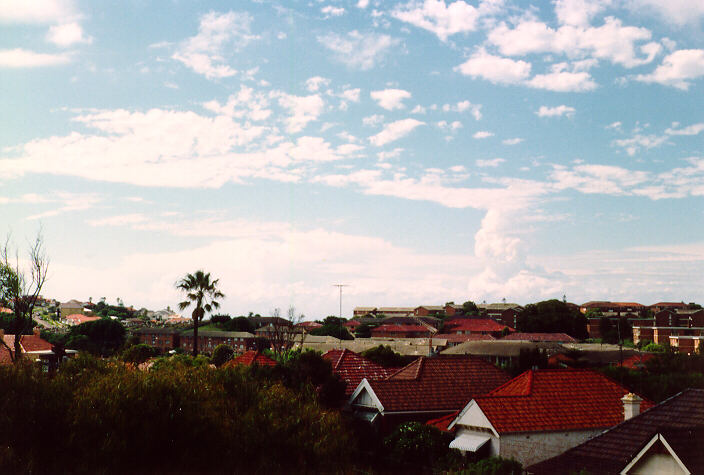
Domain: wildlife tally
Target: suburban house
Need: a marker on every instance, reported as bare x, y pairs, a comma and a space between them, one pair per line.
166, 339
666, 439
656, 307
208, 340
78, 318
34, 348
616, 307
394, 311
400, 331
682, 329
475, 326
71, 307
429, 310
501, 352
308, 326
249, 358
425, 389
453, 339
363, 311
505, 313
352, 368
552, 337
539, 414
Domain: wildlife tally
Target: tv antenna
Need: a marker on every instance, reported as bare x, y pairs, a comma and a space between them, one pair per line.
340, 286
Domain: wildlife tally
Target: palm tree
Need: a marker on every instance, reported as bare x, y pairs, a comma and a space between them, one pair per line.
201, 292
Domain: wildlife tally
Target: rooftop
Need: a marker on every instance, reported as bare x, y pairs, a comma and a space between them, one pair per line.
353, 368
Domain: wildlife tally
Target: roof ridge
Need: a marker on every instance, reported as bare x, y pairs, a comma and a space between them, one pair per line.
420, 367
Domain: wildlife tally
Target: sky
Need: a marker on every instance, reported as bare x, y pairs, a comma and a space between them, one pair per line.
420, 152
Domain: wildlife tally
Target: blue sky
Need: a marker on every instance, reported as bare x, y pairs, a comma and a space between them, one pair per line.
421, 152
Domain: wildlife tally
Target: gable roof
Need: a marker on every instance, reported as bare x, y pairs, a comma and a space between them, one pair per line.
475, 325
79, 318
555, 399
400, 328
29, 344
679, 419
559, 337
353, 368
637, 361
248, 358
440, 383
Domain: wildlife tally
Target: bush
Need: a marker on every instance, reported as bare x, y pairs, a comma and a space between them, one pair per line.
494, 466
103, 417
415, 446
140, 353
221, 355
384, 356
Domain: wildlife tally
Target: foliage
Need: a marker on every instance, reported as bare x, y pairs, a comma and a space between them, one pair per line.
470, 308
100, 337
220, 318
176, 418
384, 356
333, 326
139, 353
529, 359
228, 324
309, 368
693, 306
283, 331
105, 310
552, 316
363, 331
594, 313
11, 325
202, 293
610, 332
664, 376
221, 355
493, 466
653, 348
417, 447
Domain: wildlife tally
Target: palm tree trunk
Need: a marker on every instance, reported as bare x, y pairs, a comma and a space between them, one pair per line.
195, 336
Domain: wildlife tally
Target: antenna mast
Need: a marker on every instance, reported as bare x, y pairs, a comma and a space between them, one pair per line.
340, 286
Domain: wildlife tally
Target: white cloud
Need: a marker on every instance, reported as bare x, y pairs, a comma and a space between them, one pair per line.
694, 129
677, 69
387, 154
373, 120
22, 58
492, 163
598, 179
390, 99
395, 131
303, 109
563, 81
578, 12
495, 68
482, 134
513, 141
611, 41
362, 4
463, 106
359, 50
217, 33
67, 35
418, 110
37, 11
557, 111
440, 19
316, 82
245, 104
450, 126
331, 11
633, 144
351, 94
678, 12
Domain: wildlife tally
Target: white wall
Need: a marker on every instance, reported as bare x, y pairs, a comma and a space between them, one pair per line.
656, 464
530, 448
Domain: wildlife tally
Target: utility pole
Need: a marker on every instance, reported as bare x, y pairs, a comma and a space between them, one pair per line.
339, 286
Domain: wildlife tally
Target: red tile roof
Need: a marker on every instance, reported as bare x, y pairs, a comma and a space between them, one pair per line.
455, 338
5, 310
443, 422
475, 325
353, 368
78, 318
400, 328
440, 383
637, 361
555, 399
309, 325
558, 337
29, 343
251, 357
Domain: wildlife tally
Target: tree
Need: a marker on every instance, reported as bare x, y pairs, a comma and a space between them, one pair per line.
552, 316
221, 355
21, 291
333, 326
101, 337
202, 293
384, 356
470, 308
363, 331
283, 331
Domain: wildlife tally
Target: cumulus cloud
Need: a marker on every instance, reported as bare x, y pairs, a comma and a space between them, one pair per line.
492, 163
482, 134
463, 106
316, 82
390, 99
303, 109
495, 68
678, 69
557, 111
22, 58
359, 50
694, 129
678, 12
331, 11
560, 80
442, 19
217, 33
37, 11
394, 131
67, 34
512, 141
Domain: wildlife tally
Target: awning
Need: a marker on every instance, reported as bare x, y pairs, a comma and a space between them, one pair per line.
469, 442
367, 416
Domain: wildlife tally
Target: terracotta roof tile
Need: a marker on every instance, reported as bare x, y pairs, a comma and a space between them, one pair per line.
444, 382
559, 337
474, 325
353, 368
400, 328
455, 338
251, 357
555, 399
680, 419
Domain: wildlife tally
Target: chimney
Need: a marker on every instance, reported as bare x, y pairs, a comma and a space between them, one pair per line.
631, 405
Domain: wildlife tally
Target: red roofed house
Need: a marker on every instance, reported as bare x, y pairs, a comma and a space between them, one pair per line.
552, 337
637, 361
352, 368
471, 326
540, 414
454, 339
34, 348
249, 358
78, 318
400, 331
308, 326
425, 389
